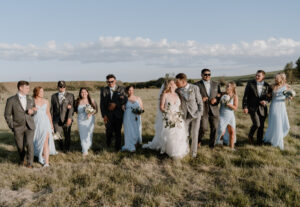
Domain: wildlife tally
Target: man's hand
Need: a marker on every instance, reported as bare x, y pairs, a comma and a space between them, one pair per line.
204, 99
263, 103
30, 111
69, 106
213, 101
112, 106
69, 122
246, 111
105, 119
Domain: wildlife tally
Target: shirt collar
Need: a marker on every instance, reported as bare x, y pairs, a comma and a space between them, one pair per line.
206, 82
113, 88
260, 83
61, 93
21, 96
187, 86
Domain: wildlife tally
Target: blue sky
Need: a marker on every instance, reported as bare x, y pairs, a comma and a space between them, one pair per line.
142, 40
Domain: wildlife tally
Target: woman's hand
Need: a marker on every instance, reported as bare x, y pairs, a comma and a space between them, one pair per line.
69, 106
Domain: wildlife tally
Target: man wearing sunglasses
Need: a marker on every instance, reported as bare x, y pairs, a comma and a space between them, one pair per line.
211, 93
112, 105
255, 100
62, 110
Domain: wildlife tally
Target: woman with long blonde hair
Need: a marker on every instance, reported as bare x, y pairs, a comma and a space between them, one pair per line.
227, 125
279, 125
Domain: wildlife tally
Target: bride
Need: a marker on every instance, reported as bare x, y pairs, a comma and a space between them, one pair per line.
172, 140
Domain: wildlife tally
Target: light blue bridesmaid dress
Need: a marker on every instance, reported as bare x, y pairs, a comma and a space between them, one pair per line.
42, 127
226, 118
132, 127
278, 126
86, 128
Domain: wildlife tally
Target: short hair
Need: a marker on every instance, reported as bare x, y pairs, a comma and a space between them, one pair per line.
36, 91
109, 76
181, 76
205, 70
261, 71
22, 83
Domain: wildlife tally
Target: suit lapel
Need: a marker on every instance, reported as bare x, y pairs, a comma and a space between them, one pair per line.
18, 100
255, 88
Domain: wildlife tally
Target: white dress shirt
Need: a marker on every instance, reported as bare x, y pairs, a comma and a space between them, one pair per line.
61, 97
260, 87
112, 91
23, 100
207, 87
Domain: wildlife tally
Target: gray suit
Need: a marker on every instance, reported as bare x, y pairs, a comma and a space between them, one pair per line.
210, 111
192, 107
22, 124
60, 114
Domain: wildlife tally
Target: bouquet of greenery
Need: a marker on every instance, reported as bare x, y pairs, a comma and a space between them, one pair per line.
137, 111
290, 93
225, 99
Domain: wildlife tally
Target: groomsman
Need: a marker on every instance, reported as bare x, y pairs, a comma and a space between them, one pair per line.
19, 112
62, 110
255, 103
112, 104
211, 93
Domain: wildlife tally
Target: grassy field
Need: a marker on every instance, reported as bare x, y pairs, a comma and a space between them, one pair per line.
250, 176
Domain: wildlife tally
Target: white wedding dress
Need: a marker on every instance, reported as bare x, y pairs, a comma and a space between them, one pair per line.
172, 141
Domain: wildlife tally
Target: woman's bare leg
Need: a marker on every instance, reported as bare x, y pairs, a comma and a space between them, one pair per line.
46, 149
231, 136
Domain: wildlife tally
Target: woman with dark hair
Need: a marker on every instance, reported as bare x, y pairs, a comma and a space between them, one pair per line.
86, 108
43, 140
132, 120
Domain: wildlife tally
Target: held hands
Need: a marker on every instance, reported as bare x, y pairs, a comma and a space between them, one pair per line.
69, 106
112, 106
69, 122
213, 101
31, 111
204, 99
246, 111
263, 103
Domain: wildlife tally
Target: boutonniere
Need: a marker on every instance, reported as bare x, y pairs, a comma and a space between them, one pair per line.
190, 91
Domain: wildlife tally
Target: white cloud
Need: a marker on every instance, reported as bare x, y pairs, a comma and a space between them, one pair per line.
187, 54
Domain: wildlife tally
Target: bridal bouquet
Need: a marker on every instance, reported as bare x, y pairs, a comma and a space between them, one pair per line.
89, 109
172, 118
289, 93
137, 111
225, 99
56, 136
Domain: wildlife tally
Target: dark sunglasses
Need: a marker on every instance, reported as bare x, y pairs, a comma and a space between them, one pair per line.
110, 81
62, 87
206, 74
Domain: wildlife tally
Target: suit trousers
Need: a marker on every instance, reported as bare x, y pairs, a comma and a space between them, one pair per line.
258, 123
24, 139
193, 125
213, 122
66, 131
114, 126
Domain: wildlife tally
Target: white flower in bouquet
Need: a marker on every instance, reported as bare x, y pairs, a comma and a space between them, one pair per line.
56, 136
289, 93
89, 109
225, 99
172, 118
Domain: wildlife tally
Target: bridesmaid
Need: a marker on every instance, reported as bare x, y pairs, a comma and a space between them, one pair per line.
278, 126
132, 122
86, 122
227, 125
43, 140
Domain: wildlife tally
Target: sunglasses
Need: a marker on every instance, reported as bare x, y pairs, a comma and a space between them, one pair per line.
206, 74
62, 87
110, 81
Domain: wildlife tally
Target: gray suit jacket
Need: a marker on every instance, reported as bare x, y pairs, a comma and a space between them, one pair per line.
61, 112
15, 116
191, 102
214, 91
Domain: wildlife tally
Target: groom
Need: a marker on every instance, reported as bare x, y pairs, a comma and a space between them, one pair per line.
255, 103
19, 112
192, 107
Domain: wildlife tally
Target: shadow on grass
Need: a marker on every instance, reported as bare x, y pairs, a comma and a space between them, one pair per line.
7, 138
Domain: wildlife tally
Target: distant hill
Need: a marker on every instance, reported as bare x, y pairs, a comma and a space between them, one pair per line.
96, 85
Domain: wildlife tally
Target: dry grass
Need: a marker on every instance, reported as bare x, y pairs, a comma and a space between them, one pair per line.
251, 176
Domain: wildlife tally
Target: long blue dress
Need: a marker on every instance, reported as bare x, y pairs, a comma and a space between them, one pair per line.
226, 118
86, 128
278, 126
132, 127
42, 127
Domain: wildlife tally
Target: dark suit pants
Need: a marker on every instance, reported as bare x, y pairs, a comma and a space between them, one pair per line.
114, 126
213, 122
24, 139
66, 132
258, 123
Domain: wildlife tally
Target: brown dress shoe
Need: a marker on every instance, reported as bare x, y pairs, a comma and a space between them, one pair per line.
29, 166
